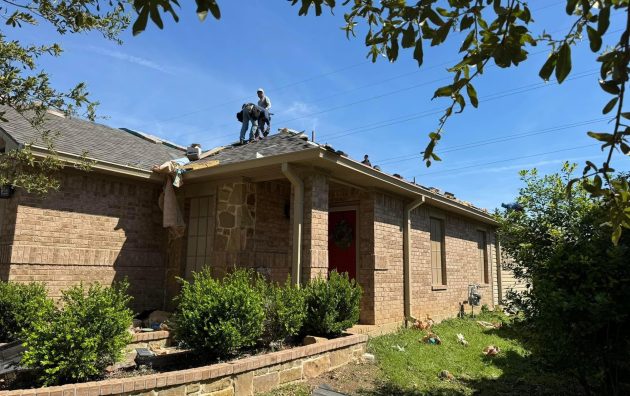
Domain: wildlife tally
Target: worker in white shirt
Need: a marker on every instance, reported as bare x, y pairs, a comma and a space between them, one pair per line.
263, 101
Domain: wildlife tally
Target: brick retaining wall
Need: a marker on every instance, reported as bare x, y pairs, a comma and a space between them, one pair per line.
242, 377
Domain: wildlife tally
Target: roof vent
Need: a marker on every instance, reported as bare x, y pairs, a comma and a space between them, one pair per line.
193, 152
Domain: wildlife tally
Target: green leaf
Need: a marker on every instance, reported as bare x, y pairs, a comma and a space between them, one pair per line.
624, 148
616, 235
409, 36
443, 91
214, 9
547, 69
603, 20
610, 105
141, 22
418, 54
155, 16
472, 94
563, 64
610, 87
602, 137
594, 38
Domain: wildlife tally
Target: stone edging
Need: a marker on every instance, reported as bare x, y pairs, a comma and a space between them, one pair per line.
240, 377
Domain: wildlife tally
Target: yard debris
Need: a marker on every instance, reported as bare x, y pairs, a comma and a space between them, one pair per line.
488, 325
399, 348
424, 324
461, 339
368, 357
432, 339
491, 350
446, 375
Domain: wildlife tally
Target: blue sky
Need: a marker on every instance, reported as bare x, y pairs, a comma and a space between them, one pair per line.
185, 83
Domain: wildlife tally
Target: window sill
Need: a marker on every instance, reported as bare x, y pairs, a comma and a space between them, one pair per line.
484, 286
439, 287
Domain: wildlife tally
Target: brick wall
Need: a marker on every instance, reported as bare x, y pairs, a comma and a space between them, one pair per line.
461, 262
462, 265
272, 235
388, 259
96, 228
8, 211
315, 230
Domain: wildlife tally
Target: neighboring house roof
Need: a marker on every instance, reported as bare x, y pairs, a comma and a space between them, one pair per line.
99, 142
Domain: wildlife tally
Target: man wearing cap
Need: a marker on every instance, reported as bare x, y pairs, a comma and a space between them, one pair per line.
263, 101
265, 123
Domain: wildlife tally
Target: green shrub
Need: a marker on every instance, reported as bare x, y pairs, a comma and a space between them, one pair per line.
331, 306
21, 305
578, 306
88, 334
220, 316
284, 312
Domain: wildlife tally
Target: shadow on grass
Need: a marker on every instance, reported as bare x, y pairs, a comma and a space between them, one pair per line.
521, 375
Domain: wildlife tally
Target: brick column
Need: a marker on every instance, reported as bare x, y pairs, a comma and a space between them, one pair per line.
315, 231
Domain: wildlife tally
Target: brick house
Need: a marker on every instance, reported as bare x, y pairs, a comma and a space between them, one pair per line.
285, 206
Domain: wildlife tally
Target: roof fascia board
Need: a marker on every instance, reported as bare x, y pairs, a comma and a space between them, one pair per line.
255, 162
105, 166
394, 183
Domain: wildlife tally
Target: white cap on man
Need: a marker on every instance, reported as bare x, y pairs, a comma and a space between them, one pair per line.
260, 90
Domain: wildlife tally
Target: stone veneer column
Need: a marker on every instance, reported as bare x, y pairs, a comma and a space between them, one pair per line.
315, 231
236, 214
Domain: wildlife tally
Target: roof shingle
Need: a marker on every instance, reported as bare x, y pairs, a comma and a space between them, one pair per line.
100, 142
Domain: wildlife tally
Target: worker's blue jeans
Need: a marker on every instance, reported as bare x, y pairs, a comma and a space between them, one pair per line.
246, 121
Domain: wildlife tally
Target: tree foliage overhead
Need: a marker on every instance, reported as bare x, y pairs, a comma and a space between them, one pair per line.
496, 32
28, 90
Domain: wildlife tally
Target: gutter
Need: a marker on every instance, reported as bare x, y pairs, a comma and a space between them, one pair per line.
298, 220
407, 256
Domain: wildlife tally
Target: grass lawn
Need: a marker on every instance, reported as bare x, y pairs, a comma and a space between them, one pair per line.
415, 371
408, 367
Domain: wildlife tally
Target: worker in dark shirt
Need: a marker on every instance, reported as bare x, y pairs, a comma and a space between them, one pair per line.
366, 161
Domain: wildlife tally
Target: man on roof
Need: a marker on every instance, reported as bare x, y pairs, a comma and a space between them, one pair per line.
265, 124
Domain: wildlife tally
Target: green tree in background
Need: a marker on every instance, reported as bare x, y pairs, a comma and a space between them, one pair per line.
28, 90
496, 32
578, 310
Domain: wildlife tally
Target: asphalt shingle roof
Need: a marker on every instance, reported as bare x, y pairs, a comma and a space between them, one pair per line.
281, 143
101, 142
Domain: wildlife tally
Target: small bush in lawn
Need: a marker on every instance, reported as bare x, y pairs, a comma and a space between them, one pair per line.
284, 312
331, 306
81, 339
220, 316
21, 305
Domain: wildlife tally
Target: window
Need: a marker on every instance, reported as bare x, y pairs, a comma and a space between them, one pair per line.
200, 234
438, 262
482, 256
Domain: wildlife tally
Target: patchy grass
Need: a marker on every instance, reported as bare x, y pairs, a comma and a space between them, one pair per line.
415, 371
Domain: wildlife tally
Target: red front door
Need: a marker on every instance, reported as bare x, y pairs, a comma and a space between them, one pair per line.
342, 242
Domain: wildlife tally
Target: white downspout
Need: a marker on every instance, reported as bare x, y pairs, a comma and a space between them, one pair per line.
407, 256
298, 220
